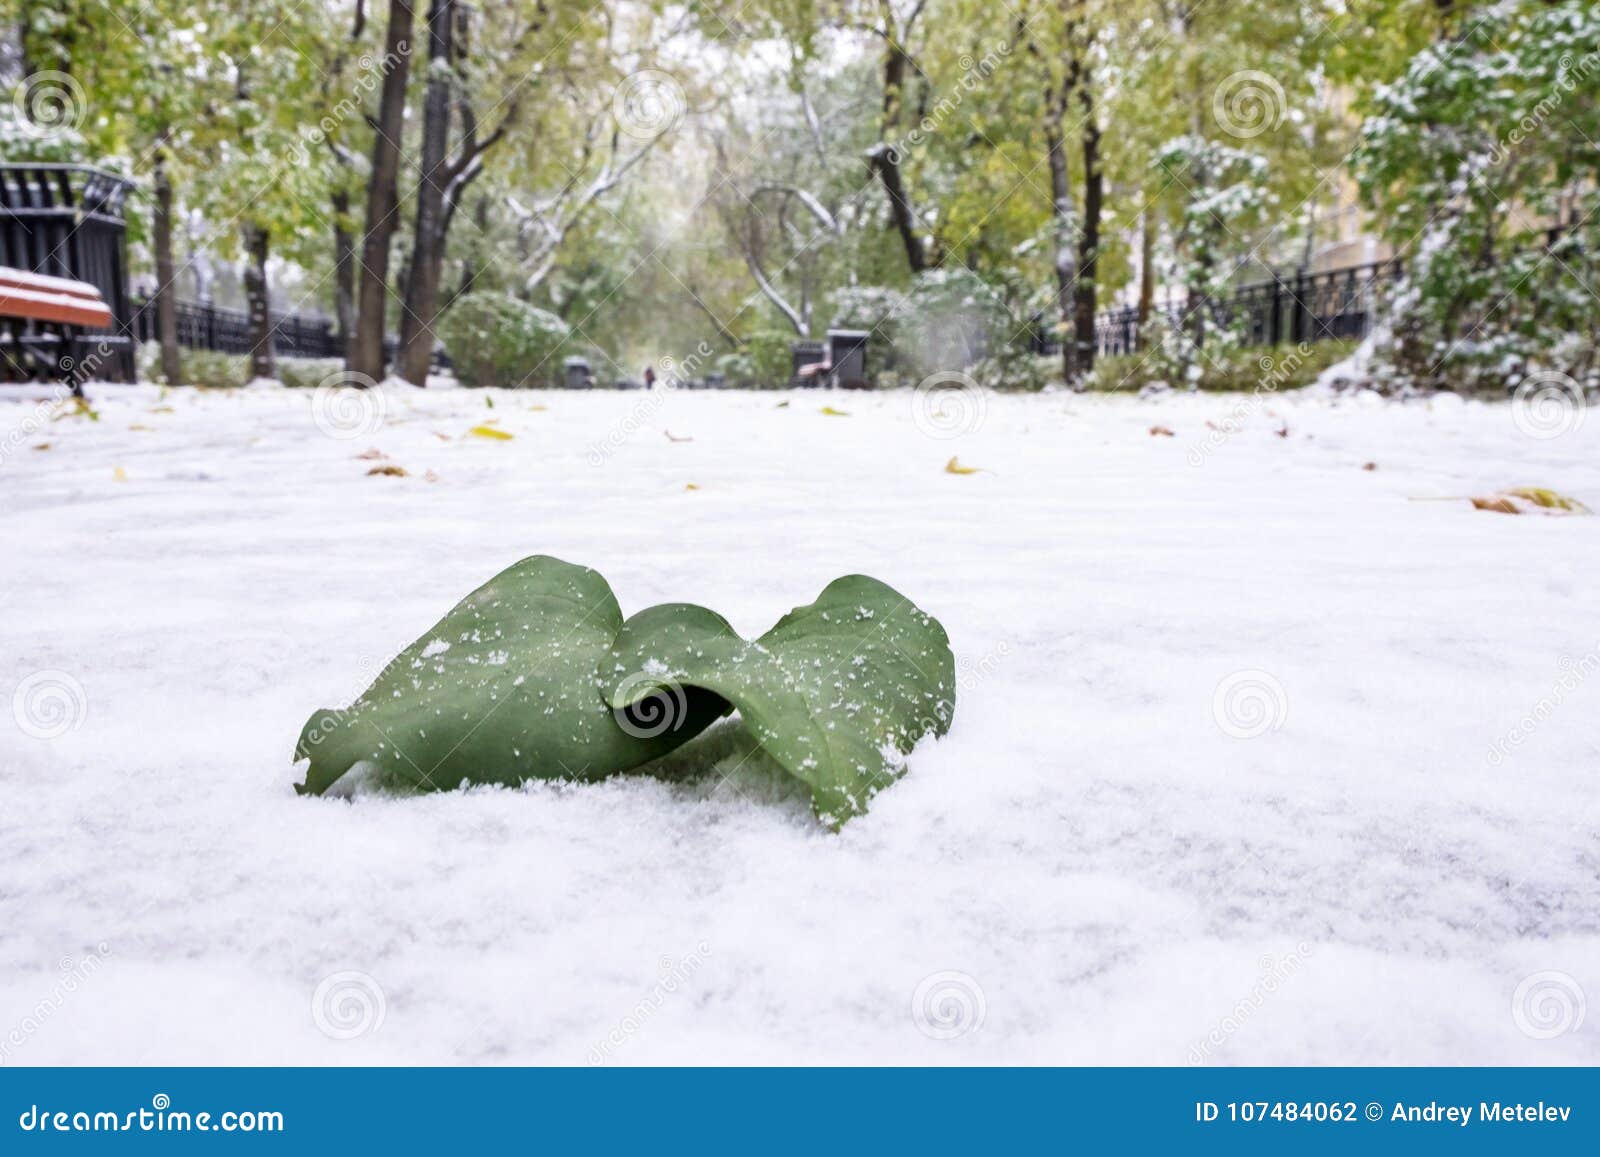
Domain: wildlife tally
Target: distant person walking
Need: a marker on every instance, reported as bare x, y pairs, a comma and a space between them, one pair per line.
649, 377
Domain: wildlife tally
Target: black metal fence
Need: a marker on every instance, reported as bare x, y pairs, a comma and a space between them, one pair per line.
66, 221
202, 326
1300, 307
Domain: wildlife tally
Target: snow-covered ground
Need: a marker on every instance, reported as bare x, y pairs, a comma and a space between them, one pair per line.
1255, 758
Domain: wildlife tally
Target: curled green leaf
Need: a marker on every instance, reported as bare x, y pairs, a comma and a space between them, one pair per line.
535, 676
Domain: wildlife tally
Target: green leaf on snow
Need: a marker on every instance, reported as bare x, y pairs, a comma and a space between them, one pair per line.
503, 689
836, 693
535, 676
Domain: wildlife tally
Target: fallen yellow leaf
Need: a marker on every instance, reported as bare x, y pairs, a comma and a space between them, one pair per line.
538, 406
119, 475
389, 469
955, 467
44, 445
690, 486
832, 413
141, 426
490, 432
1530, 500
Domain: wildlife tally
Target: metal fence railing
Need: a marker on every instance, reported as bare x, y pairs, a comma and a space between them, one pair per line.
1294, 308
202, 326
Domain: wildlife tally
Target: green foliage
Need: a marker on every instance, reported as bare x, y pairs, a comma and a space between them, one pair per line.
763, 362
1479, 155
203, 368
306, 373
832, 692
1234, 370
535, 675
495, 339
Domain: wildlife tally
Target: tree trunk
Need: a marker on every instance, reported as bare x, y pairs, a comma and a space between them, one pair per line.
886, 163
1147, 268
469, 266
1061, 208
166, 306
344, 271
262, 364
885, 160
1085, 289
427, 255
372, 293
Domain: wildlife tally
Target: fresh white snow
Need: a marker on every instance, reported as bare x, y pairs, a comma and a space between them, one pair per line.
1255, 759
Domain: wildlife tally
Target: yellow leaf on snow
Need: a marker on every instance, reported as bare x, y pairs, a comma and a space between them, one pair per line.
1530, 500
490, 432
954, 466
119, 475
389, 469
832, 413
690, 486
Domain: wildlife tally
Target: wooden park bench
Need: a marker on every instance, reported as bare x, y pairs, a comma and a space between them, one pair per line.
40, 319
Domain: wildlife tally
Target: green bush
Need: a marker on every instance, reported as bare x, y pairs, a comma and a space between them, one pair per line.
947, 321
764, 361
200, 367
306, 373
495, 339
1235, 369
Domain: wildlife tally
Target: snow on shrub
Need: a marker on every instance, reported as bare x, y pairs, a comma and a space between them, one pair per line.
1480, 160
495, 339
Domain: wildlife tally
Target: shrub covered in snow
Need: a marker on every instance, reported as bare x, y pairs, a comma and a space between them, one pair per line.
495, 339
763, 362
1235, 370
1480, 159
948, 320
